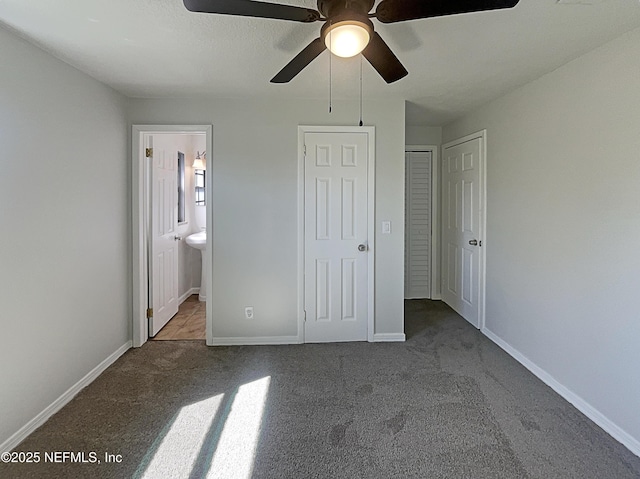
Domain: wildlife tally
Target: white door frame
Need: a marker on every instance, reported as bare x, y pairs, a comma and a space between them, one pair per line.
436, 293
482, 134
370, 130
139, 174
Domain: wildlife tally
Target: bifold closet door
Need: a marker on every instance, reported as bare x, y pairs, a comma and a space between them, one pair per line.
418, 191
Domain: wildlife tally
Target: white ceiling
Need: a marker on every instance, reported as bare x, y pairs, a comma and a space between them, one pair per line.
156, 48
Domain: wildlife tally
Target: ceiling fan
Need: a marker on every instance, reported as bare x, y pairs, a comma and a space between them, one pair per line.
347, 30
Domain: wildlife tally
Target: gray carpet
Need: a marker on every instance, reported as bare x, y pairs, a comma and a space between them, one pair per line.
448, 403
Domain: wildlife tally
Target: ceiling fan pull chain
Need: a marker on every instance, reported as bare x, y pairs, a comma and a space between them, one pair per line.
360, 90
330, 55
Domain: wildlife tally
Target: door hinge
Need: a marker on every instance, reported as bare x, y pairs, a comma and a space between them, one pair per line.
305, 150
149, 312
148, 152
305, 315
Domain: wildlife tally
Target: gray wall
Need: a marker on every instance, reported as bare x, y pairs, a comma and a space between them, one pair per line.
423, 135
64, 274
254, 170
563, 225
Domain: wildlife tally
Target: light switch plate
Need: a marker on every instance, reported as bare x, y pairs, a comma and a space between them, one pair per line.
386, 227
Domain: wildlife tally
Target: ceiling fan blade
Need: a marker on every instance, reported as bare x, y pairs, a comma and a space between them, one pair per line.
390, 11
249, 8
300, 61
383, 60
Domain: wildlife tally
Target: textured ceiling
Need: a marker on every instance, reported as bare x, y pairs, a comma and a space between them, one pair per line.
156, 48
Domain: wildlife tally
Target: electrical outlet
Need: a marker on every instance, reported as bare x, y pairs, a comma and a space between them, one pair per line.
248, 312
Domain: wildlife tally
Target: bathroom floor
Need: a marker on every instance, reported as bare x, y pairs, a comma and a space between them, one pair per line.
189, 323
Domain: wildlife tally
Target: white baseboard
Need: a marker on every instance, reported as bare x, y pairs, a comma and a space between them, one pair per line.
59, 403
255, 341
190, 292
583, 406
388, 337
435, 297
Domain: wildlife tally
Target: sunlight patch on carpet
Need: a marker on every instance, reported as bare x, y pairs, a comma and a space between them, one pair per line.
180, 447
235, 453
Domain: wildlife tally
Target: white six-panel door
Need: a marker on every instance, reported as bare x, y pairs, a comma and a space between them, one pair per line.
335, 230
163, 267
461, 228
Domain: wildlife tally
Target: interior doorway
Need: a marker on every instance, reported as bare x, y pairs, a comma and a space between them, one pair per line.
165, 219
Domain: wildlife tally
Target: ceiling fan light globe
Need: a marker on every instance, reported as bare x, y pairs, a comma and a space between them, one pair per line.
347, 39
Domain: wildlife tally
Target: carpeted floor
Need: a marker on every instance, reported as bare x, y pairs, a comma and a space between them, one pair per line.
447, 403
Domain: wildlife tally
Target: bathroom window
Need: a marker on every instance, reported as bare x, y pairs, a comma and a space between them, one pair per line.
200, 182
181, 207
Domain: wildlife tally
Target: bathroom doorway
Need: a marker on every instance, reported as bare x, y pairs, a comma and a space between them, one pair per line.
170, 214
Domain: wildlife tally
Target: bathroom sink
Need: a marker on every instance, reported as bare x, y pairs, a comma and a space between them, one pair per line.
197, 240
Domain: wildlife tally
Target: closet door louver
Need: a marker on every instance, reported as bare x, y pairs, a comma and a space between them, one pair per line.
418, 225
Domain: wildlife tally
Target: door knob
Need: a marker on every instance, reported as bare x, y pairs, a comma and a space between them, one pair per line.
177, 238
362, 247
473, 242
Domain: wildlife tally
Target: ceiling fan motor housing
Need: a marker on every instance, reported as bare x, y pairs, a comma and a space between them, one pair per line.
346, 18
333, 8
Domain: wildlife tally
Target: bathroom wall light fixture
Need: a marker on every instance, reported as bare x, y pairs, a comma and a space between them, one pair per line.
198, 164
